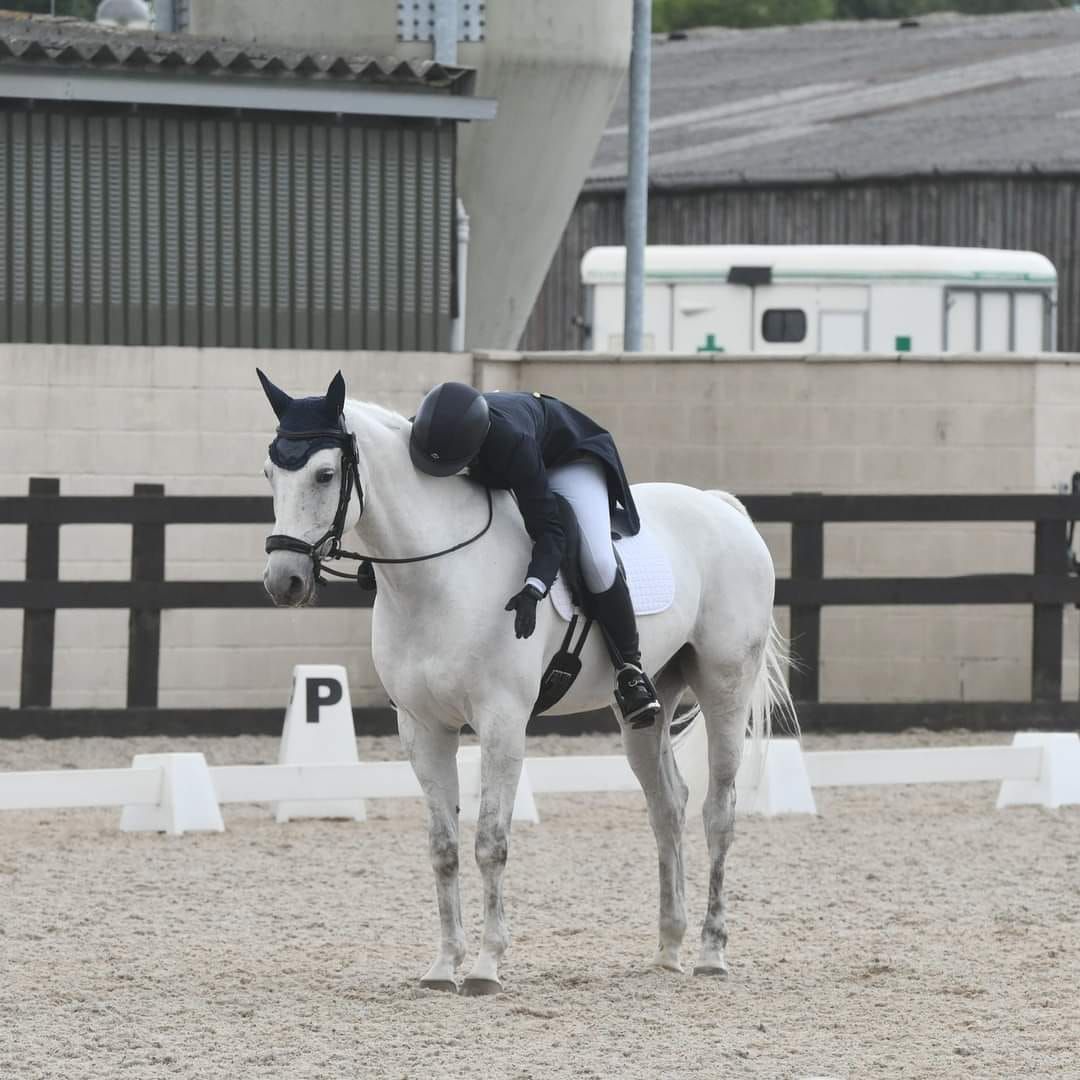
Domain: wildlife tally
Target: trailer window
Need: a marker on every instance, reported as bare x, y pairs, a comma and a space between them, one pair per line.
783, 324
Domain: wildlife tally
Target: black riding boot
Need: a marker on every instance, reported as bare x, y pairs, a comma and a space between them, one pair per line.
634, 690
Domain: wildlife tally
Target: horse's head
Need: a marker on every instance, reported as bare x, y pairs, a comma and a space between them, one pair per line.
309, 468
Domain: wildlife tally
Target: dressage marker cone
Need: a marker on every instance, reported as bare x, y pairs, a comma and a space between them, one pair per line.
772, 778
188, 802
1058, 782
319, 731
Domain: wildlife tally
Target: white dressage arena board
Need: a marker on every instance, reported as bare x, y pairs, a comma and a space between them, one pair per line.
177, 793
648, 573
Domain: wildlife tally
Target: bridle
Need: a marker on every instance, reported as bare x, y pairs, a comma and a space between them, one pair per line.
350, 478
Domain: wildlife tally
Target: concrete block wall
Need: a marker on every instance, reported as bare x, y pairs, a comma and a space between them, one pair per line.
910, 424
102, 419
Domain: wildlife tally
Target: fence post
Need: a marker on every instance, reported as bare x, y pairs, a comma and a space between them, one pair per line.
1051, 560
807, 563
144, 624
39, 625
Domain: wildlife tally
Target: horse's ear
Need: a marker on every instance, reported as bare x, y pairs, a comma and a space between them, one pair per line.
279, 400
335, 394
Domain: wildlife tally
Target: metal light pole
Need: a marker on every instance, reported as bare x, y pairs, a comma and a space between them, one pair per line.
165, 16
637, 177
446, 52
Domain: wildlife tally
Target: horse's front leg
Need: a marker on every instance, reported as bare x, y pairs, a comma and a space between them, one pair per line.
432, 749
502, 751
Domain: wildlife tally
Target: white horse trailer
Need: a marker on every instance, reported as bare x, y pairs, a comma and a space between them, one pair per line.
827, 299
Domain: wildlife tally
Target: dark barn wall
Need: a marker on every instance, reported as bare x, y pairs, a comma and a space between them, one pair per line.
204, 228
1036, 213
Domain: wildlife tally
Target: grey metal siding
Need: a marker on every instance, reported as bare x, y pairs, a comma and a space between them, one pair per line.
1034, 213
155, 227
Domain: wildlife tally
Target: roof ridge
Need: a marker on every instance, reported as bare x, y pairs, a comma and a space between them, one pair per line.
44, 40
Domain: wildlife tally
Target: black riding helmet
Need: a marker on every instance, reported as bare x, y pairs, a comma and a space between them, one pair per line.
449, 428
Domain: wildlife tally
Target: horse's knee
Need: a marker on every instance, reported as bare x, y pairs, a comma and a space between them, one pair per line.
492, 848
444, 857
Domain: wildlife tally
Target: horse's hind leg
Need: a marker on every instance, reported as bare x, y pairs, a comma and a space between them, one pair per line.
725, 703
432, 750
649, 752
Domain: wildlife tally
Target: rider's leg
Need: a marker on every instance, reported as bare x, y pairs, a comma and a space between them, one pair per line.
584, 485
634, 691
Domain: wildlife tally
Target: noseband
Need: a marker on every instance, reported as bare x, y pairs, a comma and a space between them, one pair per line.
350, 477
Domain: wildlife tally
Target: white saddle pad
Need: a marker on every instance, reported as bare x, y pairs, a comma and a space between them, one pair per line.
648, 571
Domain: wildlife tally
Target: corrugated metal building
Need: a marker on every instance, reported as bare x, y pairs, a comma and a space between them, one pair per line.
958, 132
170, 190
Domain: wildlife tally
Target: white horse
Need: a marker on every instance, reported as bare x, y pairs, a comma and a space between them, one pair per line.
446, 653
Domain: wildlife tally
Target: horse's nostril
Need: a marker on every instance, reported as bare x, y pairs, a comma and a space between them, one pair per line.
296, 585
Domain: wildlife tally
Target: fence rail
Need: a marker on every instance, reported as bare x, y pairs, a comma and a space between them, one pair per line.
1047, 589
149, 512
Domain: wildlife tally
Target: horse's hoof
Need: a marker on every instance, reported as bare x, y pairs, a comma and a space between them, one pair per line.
480, 987
709, 969
448, 986
667, 963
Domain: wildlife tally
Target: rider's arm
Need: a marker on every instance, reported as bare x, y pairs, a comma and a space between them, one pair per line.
536, 502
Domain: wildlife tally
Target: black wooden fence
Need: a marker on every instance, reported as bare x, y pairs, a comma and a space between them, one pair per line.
1047, 590
1049, 587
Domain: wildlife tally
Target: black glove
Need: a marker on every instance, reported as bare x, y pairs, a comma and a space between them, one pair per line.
365, 576
524, 603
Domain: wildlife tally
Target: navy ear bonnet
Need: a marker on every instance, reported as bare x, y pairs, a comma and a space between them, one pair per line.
304, 415
305, 425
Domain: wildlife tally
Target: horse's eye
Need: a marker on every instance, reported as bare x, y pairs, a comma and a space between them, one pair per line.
324, 476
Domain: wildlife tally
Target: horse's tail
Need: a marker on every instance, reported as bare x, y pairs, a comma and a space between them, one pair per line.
770, 697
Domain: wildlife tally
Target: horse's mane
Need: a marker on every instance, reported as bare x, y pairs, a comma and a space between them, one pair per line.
382, 415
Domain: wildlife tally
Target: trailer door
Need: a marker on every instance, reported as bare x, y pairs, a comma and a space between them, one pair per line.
1032, 325
960, 321
714, 317
843, 319
995, 321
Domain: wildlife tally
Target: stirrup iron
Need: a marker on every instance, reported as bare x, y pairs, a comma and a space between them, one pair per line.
636, 699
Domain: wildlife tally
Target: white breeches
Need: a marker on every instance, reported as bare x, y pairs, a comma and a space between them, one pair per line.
583, 484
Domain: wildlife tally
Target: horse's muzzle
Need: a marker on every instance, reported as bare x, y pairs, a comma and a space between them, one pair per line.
289, 579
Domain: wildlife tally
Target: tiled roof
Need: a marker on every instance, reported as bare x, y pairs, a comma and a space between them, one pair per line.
953, 94
74, 43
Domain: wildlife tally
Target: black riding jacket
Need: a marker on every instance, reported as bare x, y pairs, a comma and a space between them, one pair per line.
529, 434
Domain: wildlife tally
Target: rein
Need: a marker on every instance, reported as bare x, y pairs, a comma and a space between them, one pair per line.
350, 477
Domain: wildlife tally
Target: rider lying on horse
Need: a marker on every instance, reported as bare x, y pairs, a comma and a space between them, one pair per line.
536, 447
